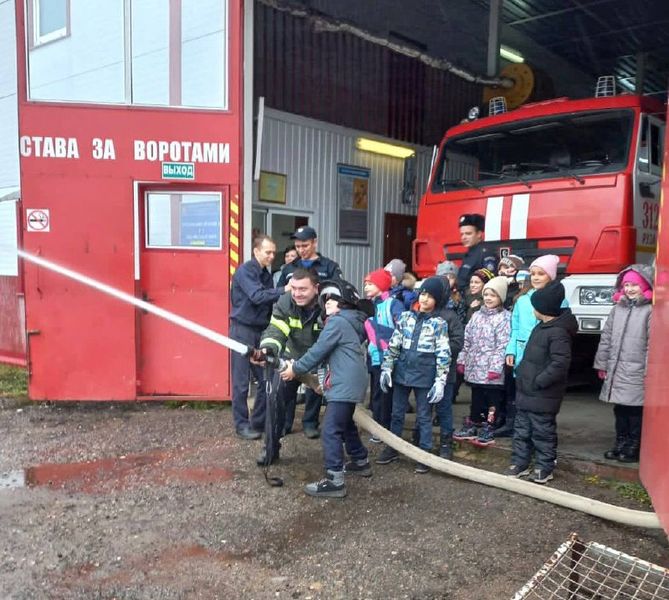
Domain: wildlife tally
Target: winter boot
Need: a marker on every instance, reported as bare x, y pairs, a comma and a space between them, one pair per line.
506, 429
617, 449
467, 432
331, 486
630, 452
446, 447
485, 437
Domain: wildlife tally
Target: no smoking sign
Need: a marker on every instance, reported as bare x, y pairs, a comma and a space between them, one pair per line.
37, 219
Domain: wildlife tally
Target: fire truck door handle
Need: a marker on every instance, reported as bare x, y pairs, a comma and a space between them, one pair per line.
33, 332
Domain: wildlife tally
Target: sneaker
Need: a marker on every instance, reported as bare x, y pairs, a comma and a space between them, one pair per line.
486, 436
468, 431
541, 476
374, 440
421, 468
312, 433
387, 456
326, 488
360, 468
518, 471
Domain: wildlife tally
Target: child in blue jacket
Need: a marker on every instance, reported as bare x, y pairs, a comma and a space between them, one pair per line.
543, 271
379, 328
418, 359
340, 348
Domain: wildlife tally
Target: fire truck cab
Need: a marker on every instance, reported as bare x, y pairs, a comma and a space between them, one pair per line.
576, 178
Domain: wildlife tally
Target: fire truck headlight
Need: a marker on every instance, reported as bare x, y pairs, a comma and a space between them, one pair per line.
596, 295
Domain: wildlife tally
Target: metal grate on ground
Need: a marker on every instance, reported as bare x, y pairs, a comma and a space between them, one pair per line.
591, 571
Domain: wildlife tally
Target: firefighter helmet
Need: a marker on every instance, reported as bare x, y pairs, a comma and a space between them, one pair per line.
342, 291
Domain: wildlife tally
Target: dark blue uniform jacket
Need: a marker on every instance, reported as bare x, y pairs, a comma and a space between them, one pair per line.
252, 295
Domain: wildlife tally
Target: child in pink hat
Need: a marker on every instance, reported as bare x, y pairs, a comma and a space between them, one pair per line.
621, 358
543, 270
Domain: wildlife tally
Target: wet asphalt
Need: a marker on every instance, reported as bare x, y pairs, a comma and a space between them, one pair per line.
146, 501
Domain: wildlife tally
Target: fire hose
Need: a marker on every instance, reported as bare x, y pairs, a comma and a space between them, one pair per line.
609, 512
363, 419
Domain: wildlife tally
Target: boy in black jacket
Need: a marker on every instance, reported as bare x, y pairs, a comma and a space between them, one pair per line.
541, 382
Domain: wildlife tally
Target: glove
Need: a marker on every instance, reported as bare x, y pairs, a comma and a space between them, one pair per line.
386, 381
493, 376
460, 369
601, 374
436, 392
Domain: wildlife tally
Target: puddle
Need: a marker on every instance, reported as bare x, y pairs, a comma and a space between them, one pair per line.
111, 473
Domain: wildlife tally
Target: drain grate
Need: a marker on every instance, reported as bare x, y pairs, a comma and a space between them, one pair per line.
591, 571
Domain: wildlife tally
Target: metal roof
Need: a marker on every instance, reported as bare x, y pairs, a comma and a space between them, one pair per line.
602, 37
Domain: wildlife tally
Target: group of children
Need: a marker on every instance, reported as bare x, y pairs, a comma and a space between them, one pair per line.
515, 355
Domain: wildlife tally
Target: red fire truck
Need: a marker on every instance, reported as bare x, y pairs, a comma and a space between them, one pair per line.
576, 178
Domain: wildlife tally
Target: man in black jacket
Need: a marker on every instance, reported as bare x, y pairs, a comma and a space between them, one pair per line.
306, 244
478, 255
252, 296
541, 382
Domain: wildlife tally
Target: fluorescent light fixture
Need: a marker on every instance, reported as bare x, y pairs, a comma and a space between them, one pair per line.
511, 54
368, 145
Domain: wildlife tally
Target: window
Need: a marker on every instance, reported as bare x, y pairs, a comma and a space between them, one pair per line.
148, 52
655, 145
557, 146
183, 220
651, 146
49, 20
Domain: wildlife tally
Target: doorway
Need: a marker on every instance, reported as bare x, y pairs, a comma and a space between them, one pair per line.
399, 232
184, 268
279, 225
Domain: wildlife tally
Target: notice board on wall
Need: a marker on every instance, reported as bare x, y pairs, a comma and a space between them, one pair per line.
352, 204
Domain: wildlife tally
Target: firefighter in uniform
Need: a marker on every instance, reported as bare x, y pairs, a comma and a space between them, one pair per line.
252, 296
306, 244
478, 256
292, 330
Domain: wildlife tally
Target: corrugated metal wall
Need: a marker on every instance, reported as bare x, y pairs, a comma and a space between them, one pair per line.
308, 151
342, 79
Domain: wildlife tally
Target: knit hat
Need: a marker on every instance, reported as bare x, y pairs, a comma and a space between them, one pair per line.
636, 278
396, 267
548, 263
485, 275
380, 278
436, 288
512, 260
499, 285
448, 267
548, 301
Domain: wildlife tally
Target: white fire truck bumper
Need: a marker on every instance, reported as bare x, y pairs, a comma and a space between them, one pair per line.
589, 298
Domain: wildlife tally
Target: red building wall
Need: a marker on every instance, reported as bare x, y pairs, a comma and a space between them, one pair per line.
87, 345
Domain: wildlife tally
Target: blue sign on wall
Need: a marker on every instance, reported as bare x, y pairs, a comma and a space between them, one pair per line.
201, 224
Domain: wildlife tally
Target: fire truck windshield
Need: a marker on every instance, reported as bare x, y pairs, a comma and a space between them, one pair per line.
571, 145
